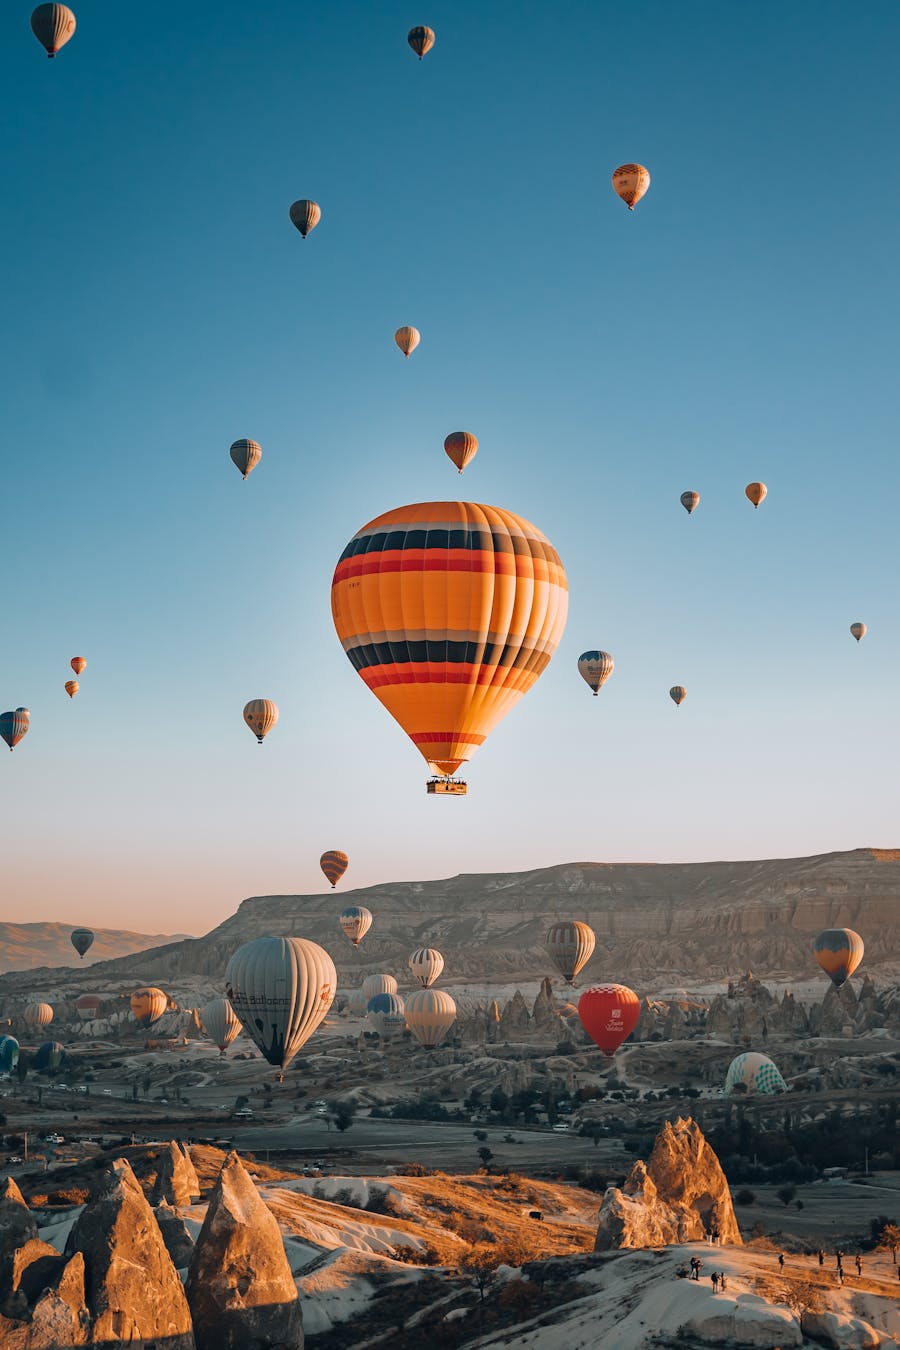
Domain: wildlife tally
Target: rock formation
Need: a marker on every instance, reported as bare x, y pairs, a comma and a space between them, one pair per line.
176, 1181
515, 1019
240, 1289
179, 1243
59, 1318
133, 1291
678, 1196
17, 1223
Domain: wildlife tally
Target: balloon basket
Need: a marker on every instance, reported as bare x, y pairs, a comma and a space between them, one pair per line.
446, 787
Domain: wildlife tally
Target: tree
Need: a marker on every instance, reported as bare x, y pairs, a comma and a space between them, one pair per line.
342, 1113
786, 1194
481, 1265
485, 1155
887, 1237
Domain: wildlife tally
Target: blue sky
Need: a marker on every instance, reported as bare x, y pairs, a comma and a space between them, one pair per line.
740, 324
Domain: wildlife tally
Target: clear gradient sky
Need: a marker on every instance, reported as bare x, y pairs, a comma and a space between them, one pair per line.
740, 324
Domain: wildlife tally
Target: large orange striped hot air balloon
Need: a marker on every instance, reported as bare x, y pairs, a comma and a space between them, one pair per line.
148, 1005
449, 612
334, 864
838, 951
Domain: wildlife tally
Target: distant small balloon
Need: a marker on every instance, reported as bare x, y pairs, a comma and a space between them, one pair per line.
407, 339
78, 664
753, 1072
570, 945
378, 984
609, 1014
755, 492
39, 1014
71, 687
387, 1012
261, 714
82, 939
305, 214
430, 1013
421, 39
426, 965
14, 725
246, 455
595, 668
148, 1005
461, 447
689, 501
858, 630
839, 952
355, 922
52, 25
220, 1022
678, 694
631, 182
334, 864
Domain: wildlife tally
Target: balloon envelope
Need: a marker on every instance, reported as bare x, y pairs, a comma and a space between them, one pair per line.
334, 864
678, 694
71, 687
858, 630
148, 1005
81, 940
355, 922
595, 669
305, 214
14, 725
281, 988
449, 612
689, 501
430, 1013
609, 1013
407, 339
756, 1073
88, 1007
387, 1013
571, 945
220, 1022
378, 984
52, 25
38, 1015
839, 952
9, 1053
261, 714
48, 1056
246, 455
78, 664
421, 39
426, 965
631, 182
461, 447
755, 492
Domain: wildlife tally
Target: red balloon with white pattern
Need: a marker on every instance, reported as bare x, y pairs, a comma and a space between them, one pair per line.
609, 1014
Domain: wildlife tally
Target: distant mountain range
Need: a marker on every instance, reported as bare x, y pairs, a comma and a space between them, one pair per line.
24, 946
670, 922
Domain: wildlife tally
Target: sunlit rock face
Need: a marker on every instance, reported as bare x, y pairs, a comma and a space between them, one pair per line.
176, 1180
239, 1286
680, 1195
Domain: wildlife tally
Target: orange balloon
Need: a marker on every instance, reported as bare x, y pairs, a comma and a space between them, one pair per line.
755, 492
461, 447
71, 687
631, 182
78, 664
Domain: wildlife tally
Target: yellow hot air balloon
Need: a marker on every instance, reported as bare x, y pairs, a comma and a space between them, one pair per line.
678, 694
261, 714
71, 687
755, 492
305, 214
595, 669
461, 447
38, 1014
421, 39
571, 946
430, 1013
334, 864
407, 339
426, 965
689, 501
246, 454
449, 612
858, 630
78, 664
52, 25
148, 1005
631, 182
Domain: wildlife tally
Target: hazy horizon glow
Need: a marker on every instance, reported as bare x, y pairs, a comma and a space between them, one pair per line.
741, 324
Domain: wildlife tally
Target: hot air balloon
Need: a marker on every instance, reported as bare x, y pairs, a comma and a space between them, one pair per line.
82, 939
281, 988
305, 215
407, 339
14, 725
571, 946
87, 1007
449, 612
689, 501
755, 492
839, 952
220, 1022
355, 922
71, 687
631, 181
595, 669
461, 447
430, 1013
609, 1013
38, 1015
148, 1005
78, 664
48, 1057
756, 1073
378, 984
261, 714
387, 1013
421, 39
246, 455
9, 1053
678, 694
334, 864
52, 25
426, 965
858, 630
356, 1002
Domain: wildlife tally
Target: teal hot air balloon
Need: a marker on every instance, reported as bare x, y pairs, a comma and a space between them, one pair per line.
82, 940
9, 1054
281, 988
755, 1073
387, 1013
839, 952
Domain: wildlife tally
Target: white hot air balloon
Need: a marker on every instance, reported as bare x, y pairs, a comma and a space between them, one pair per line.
426, 965
378, 984
220, 1022
281, 988
430, 1013
571, 946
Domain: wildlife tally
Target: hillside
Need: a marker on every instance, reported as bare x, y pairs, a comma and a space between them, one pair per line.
25, 946
653, 921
